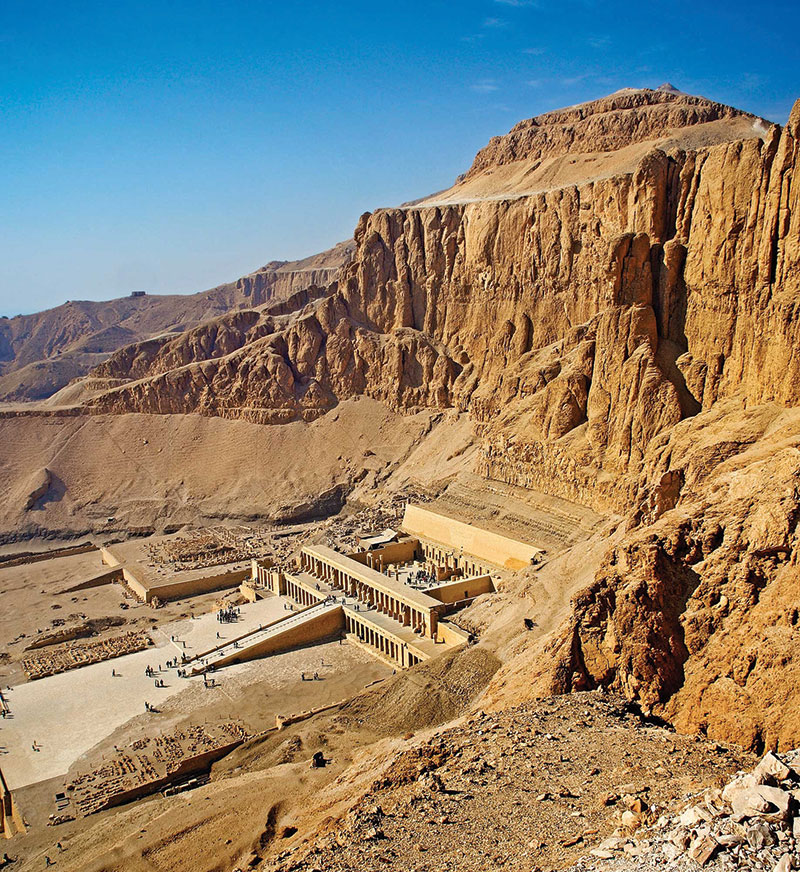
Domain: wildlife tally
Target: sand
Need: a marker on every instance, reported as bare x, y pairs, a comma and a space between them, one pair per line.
524, 179
66, 715
161, 471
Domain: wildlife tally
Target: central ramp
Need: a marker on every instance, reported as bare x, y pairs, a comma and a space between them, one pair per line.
312, 624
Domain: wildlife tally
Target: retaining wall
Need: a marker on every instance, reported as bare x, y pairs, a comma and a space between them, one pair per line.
462, 589
456, 535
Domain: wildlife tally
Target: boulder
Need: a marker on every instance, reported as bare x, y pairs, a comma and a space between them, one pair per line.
771, 769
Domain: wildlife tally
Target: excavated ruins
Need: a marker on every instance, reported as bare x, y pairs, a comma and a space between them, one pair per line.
569, 384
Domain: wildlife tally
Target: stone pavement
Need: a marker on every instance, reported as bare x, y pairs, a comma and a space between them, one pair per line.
239, 646
196, 636
68, 714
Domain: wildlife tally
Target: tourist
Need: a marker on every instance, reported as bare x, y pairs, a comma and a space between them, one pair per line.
48, 862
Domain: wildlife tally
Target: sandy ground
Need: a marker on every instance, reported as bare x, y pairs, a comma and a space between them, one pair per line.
250, 693
267, 784
161, 471
66, 715
517, 790
36, 595
525, 178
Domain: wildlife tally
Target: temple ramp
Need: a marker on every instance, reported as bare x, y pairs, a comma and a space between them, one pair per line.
313, 624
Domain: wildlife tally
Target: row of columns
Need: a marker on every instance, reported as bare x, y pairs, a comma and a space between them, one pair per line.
384, 602
387, 646
269, 578
436, 558
300, 594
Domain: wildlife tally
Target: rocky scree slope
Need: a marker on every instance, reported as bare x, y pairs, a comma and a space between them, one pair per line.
628, 342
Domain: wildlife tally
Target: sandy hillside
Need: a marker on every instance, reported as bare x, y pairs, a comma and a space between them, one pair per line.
155, 471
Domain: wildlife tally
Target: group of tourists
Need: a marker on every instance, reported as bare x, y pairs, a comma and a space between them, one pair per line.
422, 576
228, 615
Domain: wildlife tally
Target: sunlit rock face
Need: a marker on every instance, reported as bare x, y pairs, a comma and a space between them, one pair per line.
611, 293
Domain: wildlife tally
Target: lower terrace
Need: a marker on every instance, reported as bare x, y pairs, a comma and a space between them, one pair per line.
393, 598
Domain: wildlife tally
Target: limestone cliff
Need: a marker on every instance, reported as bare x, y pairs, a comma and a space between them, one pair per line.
694, 611
612, 293
575, 324
41, 353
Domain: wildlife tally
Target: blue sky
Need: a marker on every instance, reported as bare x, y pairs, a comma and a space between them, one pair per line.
171, 146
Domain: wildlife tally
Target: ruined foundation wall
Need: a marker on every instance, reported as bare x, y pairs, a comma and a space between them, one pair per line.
195, 586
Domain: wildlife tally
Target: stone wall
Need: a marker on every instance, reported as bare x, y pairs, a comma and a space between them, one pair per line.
463, 589
457, 536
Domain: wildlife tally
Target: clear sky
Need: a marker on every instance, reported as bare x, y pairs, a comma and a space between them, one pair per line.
170, 146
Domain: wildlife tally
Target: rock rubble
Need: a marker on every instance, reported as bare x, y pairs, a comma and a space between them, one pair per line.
752, 824
533, 787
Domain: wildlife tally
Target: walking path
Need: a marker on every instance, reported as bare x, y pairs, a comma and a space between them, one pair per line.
241, 644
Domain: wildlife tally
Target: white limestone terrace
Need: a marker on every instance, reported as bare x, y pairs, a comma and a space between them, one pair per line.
66, 715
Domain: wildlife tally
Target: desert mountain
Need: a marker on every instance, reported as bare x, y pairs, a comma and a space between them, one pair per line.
40, 353
609, 297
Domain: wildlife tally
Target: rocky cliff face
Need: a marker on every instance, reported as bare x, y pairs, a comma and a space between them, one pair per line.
575, 324
628, 341
278, 366
40, 353
694, 612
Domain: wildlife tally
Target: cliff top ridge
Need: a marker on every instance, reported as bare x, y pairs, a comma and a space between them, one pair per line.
597, 139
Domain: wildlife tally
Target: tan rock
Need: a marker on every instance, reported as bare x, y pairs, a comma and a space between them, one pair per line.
694, 816
702, 849
771, 769
624, 336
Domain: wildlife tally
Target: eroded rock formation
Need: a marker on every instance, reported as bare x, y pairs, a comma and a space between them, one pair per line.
627, 340
41, 353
